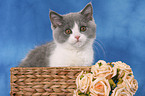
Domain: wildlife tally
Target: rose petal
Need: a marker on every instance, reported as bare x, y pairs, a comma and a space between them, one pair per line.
121, 92
101, 82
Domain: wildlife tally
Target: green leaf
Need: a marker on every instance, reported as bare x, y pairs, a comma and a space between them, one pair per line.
88, 93
120, 80
130, 74
81, 77
79, 92
83, 95
112, 65
118, 70
87, 72
100, 64
93, 79
123, 75
111, 82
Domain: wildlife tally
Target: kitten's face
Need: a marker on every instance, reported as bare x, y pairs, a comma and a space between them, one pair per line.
74, 29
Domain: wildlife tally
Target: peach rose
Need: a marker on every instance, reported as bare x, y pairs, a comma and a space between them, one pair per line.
100, 87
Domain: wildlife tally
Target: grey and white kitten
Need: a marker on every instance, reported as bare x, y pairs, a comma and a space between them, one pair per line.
73, 34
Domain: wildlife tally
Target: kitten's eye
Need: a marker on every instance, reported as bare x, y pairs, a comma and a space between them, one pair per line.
68, 31
83, 28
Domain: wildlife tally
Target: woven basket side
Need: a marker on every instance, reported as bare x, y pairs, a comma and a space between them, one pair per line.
56, 81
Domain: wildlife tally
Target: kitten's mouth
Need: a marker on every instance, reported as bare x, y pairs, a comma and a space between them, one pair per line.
78, 43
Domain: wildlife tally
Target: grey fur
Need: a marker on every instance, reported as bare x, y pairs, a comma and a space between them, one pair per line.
38, 57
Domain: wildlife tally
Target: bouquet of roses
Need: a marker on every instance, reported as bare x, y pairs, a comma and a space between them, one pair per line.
106, 79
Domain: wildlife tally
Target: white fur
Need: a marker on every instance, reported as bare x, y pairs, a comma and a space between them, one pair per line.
73, 53
63, 57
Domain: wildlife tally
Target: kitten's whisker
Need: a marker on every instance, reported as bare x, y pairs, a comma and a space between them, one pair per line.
95, 48
101, 47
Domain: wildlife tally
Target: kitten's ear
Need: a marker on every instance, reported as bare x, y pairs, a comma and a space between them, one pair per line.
88, 11
55, 19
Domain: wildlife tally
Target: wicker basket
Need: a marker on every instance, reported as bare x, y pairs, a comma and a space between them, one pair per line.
48, 81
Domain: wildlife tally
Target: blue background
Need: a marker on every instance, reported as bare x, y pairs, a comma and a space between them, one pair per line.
120, 32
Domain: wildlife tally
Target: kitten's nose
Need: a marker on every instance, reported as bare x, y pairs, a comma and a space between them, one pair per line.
77, 37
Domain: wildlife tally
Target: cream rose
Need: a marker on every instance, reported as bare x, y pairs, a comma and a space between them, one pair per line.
121, 91
102, 69
100, 87
83, 81
75, 93
131, 83
122, 68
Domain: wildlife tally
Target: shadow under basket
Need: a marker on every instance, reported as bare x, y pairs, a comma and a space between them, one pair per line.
50, 81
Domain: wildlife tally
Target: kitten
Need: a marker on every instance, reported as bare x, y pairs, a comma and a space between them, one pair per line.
73, 34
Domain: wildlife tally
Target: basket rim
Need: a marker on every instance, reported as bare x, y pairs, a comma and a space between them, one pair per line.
73, 67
